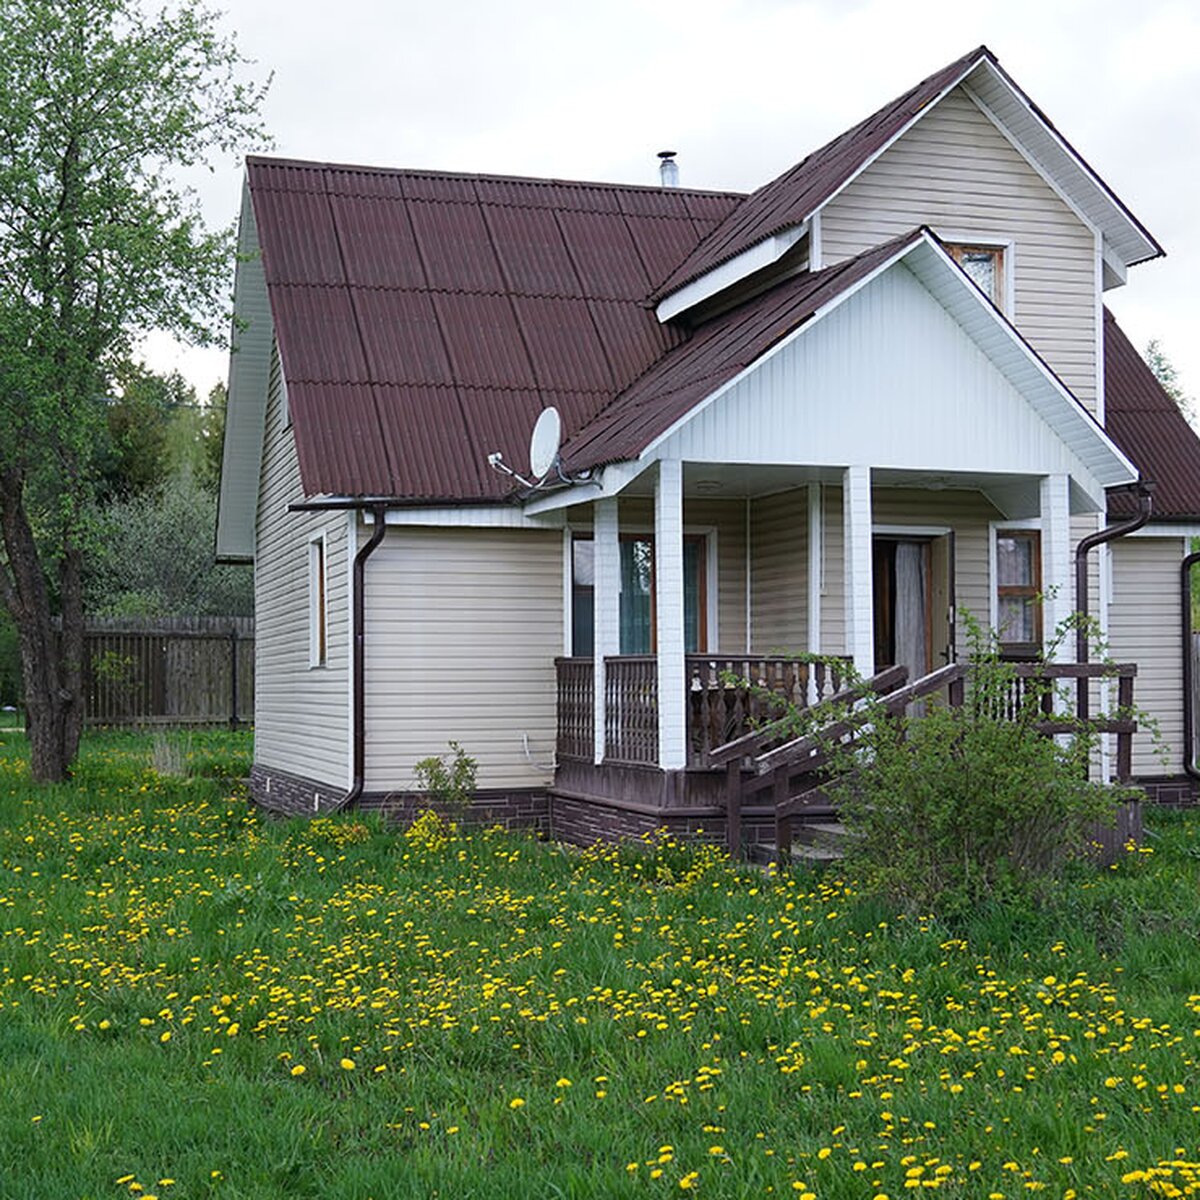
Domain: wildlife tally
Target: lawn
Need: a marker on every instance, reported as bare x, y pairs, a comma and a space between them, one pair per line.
196, 1002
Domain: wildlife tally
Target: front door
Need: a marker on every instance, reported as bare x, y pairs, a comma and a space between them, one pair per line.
914, 602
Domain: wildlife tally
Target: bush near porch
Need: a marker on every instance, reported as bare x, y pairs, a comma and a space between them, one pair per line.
198, 1002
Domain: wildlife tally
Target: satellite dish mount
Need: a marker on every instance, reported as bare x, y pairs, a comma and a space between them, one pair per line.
544, 445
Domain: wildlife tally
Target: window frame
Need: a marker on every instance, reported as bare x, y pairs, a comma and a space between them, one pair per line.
1031, 592
318, 600
705, 540
1004, 250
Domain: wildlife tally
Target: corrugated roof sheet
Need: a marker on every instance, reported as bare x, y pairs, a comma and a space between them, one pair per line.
1148, 426
791, 198
425, 319
716, 351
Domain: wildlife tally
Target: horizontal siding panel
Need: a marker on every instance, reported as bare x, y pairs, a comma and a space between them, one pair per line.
465, 627
301, 713
779, 573
1144, 627
955, 172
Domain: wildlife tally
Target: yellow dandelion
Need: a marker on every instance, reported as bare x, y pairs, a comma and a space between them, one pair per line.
516, 1102
347, 1064
298, 1069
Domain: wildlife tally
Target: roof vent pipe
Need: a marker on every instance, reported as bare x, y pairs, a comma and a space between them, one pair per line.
668, 168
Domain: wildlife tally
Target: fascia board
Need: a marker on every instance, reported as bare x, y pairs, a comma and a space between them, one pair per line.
763, 254
245, 415
1094, 197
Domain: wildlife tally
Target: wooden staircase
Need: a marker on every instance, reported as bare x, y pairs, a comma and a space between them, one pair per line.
788, 774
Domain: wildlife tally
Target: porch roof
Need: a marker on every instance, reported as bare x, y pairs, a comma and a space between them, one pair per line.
737, 343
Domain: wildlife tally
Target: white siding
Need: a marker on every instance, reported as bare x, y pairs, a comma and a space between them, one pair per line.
1144, 627
888, 378
463, 629
956, 172
302, 713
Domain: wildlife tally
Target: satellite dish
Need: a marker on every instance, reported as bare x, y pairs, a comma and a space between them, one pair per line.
544, 442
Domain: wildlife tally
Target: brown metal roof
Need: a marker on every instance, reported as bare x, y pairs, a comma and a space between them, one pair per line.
425, 319
791, 198
1148, 426
716, 351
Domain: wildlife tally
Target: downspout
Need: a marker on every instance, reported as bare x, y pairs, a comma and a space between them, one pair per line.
1144, 491
1189, 714
358, 634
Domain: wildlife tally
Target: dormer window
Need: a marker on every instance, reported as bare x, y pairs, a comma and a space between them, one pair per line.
985, 267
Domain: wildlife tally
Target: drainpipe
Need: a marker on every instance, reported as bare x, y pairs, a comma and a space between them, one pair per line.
1189, 713
358, 633
1144, 492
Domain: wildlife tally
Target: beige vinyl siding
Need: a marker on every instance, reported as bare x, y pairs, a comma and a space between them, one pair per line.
301, 712
1144, 627
954, 171
779, 573
463, 629
833, 594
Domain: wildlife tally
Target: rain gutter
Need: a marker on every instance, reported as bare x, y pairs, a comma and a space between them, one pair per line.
1144, 492
1189, 713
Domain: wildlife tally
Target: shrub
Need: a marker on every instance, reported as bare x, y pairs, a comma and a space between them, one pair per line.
450, 786
970, 804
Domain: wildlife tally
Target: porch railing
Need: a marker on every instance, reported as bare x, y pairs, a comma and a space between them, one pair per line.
631, 708
717, 711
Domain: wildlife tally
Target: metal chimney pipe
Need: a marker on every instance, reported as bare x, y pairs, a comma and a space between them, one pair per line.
668, 169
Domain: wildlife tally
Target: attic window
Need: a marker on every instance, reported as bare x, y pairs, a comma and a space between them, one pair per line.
984, 266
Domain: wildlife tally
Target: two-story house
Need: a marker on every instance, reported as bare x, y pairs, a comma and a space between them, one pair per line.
822, 418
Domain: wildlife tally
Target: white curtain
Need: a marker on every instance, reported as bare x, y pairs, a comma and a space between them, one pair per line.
912, 650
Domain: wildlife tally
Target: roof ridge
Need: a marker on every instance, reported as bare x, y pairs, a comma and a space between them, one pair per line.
474, 176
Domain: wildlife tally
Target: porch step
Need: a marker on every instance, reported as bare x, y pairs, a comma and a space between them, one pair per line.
813, 841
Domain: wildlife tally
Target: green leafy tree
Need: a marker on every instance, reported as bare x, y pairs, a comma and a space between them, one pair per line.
154, 557
102, 107
1167, 374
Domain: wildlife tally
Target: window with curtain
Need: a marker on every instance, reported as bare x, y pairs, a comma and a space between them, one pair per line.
637, 594
1018, 590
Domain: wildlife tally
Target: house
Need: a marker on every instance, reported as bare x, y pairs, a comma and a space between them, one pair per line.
819, 418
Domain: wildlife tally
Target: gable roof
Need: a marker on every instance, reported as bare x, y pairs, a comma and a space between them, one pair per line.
729, 344
425, 319
793, 197
1148, 425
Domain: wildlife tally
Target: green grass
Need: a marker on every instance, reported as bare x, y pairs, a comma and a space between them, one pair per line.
183, 986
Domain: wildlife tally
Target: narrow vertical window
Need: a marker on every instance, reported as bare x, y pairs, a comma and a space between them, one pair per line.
1018, 590
317, 606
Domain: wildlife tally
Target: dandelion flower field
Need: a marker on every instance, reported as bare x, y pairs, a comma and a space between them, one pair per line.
197, 1002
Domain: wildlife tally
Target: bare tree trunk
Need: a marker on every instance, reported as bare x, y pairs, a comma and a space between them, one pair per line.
52, 694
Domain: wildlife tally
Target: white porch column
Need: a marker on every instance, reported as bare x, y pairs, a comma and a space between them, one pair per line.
1058, 579
816, 574
857, 568
606, 606
668, 586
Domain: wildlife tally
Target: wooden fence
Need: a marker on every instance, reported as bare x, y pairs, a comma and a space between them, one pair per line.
169, 671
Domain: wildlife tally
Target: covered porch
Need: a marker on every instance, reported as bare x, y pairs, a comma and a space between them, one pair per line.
697, 574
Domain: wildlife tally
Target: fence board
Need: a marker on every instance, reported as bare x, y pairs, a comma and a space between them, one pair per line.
169, 671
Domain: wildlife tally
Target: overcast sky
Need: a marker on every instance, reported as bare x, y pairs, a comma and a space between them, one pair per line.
742, 89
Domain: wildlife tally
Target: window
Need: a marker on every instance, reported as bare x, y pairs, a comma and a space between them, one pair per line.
1018, 591
317, 617
637, 594
984, 265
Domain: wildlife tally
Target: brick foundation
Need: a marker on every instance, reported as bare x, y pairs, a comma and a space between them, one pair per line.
289, 795
1173, 790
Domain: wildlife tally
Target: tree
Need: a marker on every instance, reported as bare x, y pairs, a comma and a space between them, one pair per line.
101, 110
154, 557
1167, 374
